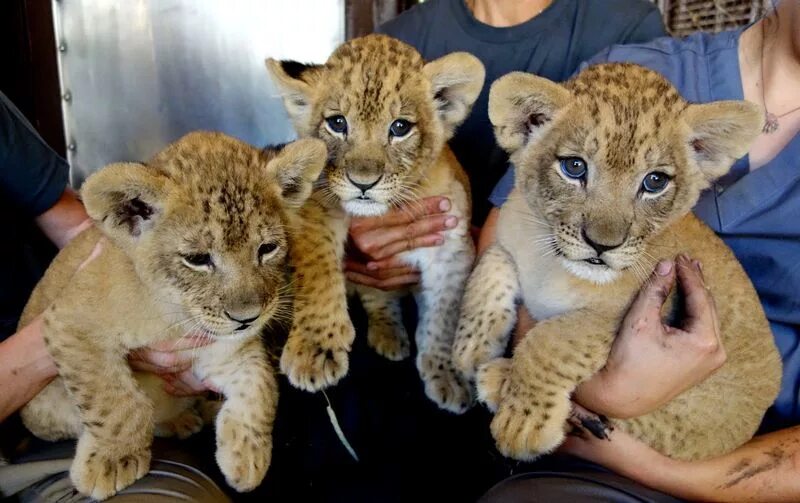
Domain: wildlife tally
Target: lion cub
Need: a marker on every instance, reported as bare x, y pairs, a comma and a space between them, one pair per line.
197, 242
386, 116
609, 166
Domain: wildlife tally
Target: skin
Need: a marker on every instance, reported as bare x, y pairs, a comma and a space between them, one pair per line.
402, 229
768, 467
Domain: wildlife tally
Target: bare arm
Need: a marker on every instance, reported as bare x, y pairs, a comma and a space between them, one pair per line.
64, 220
25, 367
767, 469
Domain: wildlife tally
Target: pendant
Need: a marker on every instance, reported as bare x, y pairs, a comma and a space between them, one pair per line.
771, 124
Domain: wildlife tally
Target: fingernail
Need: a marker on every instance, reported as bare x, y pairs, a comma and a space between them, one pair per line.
664, 267
450, 222
438, 241
372, 266
698, 265
444, 204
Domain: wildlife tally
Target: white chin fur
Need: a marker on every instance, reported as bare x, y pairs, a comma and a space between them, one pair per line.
361, 208
597, 274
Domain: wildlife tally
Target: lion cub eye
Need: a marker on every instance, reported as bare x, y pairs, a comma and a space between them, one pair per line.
198, 261
655, 182
337, 124
400, 128
573, 167
266, 250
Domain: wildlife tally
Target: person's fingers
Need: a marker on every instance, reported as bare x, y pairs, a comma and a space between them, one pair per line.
373, 243
159, 362
646, 308
353, 266
404, 214
392, 283
393, 262
190, 341
98, 248
699, 305
190, 382
427, 241
175, 387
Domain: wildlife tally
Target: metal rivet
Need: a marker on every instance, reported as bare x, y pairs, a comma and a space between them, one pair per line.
62, 47
67, 96
72, 147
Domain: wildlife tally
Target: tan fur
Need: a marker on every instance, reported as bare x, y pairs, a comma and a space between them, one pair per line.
206, 193
625, 122
371, 82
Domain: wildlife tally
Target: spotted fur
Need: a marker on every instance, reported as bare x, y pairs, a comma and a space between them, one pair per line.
205, 194
369, 83
577, 251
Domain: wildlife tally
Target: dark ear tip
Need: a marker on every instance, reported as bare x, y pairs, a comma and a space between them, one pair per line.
294, 69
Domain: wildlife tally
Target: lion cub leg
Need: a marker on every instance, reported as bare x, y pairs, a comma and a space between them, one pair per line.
488, 312
244, 422
553, 358
316, 353
444, 273
386, 333
114, 447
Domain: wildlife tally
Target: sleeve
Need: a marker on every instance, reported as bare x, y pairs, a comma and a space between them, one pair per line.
503, 188
32, 176
650, 27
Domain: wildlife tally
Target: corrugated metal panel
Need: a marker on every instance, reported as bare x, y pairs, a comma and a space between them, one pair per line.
137, 74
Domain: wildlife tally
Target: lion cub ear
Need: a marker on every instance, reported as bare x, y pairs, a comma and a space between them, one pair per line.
125, 200
296, 167
520, 107
295, 83
721, 132
456, 81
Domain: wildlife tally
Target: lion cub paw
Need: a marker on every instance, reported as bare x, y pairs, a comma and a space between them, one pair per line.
389, 340
525, 431
312, 365
492, 382
242, 456
183, 426
101, 471
443, 384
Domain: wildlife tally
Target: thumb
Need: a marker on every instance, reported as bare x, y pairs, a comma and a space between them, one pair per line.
655, 291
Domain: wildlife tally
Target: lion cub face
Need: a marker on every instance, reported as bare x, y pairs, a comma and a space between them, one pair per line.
205, 225
382, 111
612, 157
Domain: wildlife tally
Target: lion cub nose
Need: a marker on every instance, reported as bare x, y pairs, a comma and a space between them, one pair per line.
243, 314
364, 182
600, 247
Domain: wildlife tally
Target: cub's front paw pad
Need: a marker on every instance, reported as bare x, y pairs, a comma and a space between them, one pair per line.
524, 431
100, 475
389, 341
184, 425
242, 456
311, 365
444, 385
492, 382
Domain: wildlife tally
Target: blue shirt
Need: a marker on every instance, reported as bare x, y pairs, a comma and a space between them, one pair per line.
756, 213
551, 44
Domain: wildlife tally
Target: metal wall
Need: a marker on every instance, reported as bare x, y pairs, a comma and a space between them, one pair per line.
138, 74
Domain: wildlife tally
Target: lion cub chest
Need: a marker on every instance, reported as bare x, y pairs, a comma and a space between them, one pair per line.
547, 289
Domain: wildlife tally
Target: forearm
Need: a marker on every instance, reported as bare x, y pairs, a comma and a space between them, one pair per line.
25, 368
64, 220
767, 469
488, 231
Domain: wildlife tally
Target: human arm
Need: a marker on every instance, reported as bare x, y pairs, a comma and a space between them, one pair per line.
376, 241
766, 469
65, 219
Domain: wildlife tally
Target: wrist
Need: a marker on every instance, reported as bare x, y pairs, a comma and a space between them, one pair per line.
37, 360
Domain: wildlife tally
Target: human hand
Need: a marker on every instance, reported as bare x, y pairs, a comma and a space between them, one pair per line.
650, 362
376, 241
172, 361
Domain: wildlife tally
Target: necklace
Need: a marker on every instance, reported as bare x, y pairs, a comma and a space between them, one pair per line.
771, 123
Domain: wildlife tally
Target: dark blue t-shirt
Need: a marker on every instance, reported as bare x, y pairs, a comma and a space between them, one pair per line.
551, 44
32, 178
